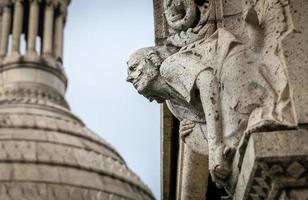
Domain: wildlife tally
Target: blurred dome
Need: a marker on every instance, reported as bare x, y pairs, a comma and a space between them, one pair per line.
49, 154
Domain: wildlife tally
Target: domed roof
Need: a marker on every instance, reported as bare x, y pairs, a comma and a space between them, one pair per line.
48, 153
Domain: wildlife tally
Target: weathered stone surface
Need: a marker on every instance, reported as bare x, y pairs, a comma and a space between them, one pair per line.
295, 46
269, 169
192, 182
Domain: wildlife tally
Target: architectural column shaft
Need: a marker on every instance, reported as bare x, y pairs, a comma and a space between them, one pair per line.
6, 26
17, 25
58, 42
48, 30
33, 26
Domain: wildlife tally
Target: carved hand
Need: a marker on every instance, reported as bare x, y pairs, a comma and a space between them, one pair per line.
186, 127
220, 166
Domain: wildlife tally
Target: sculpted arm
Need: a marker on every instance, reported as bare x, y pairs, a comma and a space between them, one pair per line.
208, 86
209, 94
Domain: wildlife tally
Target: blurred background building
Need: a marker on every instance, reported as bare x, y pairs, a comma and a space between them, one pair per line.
47, 151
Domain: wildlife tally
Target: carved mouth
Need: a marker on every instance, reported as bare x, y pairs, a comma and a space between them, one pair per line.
135, 82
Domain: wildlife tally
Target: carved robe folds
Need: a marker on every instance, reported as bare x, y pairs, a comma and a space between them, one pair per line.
254, 94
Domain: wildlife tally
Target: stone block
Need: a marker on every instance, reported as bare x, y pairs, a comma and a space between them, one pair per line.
275, 166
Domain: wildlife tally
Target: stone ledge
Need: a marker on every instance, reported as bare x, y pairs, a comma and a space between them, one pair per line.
273, 161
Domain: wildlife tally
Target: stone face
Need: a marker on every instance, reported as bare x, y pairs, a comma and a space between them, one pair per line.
227, 69
46, 152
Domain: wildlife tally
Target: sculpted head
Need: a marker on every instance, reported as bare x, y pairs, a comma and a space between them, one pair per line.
143, 69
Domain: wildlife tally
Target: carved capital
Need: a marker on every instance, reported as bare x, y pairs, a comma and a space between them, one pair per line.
66, 2
50, 3
5, 3
17, 1
62, 9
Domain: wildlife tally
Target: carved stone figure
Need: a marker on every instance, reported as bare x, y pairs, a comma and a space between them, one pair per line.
229, 70
226, 86
189, 20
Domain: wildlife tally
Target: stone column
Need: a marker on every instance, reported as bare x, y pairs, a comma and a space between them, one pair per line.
33, 27
6, 26
192, 176
48, 29
17, 26
59, 34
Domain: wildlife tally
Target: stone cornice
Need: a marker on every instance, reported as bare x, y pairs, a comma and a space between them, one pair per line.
39, 63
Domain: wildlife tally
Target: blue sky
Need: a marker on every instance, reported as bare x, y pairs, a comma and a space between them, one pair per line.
99, 37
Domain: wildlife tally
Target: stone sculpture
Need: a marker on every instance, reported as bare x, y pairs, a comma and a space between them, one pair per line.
220, 85
190, 20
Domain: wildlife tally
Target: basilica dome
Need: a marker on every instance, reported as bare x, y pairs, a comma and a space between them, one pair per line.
48, 153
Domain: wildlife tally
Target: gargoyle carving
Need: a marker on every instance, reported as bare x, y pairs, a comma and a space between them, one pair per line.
189, 20
217, 84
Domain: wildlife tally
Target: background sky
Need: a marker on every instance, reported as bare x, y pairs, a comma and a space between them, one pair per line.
99, 37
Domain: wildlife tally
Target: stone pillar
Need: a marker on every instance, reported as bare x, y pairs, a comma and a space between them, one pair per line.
48, 29
6, 26
59, 34
33, 27
192, 174
17, 26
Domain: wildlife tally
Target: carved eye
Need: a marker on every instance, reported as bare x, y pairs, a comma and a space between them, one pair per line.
133, 67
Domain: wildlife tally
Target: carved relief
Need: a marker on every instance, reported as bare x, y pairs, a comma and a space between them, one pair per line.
189, 20
32, 95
